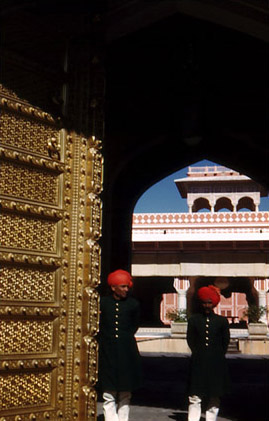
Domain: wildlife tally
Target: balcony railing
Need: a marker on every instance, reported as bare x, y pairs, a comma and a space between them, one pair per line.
216, 169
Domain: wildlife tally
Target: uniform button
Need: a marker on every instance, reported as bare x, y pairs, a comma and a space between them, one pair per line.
207, 338
116, 328
116, 322
116, 336
117, 316
206, 344
117, 309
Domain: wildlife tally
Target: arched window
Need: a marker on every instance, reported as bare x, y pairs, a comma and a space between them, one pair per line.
201, 204
223, 204
245, 203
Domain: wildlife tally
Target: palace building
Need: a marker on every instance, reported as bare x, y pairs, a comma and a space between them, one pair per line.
226, 244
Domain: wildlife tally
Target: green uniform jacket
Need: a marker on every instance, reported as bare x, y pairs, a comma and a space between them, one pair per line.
119, 359
208, 338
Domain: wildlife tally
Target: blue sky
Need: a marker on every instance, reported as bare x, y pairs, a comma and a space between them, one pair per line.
164, 195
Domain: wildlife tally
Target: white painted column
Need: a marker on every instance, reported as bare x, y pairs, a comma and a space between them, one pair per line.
261, 286
212, 205
182, 300
181, 286
262, 302
262, 298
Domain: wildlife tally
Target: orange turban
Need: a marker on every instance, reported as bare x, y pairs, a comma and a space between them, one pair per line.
209, 293
119, 277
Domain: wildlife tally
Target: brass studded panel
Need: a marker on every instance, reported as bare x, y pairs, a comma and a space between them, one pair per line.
22, 181
31, 176
25, 336
22, 391
27, 233
50, 225
23, 283
22, 132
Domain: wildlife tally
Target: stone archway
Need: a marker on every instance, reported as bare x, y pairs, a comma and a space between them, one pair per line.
159, 94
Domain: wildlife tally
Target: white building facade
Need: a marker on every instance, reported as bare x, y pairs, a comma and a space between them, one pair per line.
223, 239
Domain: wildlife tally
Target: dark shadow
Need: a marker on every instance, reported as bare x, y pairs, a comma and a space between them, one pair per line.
148, 291
165, 380
165, 386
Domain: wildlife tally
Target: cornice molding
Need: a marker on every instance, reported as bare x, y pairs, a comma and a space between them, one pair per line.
34, 210
29, 259
31, 160
13, 104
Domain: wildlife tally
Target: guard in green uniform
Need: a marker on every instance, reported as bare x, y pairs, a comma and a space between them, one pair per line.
119, 359
208, 337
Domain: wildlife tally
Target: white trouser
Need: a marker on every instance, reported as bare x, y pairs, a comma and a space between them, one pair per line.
116, 406
194, 411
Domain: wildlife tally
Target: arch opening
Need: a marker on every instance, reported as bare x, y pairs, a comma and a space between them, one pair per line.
223, 204
201, 205
246, 203
199, 241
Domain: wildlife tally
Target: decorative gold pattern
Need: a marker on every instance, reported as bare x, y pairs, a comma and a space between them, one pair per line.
94, 263
15, 258
27, 233
30, 289
11, 205
74, 273
95, 216
32, 160
23, 283
96, 163
91, 399
9, 100
29, 311
24, 390
83, 270
54, 148
92, 369
24, 133
93, 311
22, 181
24, 331
50, 225
26, 336
26, 363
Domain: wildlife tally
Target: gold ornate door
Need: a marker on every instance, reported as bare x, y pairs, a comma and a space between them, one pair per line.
50, 223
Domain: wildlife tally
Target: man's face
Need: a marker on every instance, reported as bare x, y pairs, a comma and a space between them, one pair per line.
207, 306
120, 291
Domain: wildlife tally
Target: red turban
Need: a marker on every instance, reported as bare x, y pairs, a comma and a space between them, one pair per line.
209, 293
119, 277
